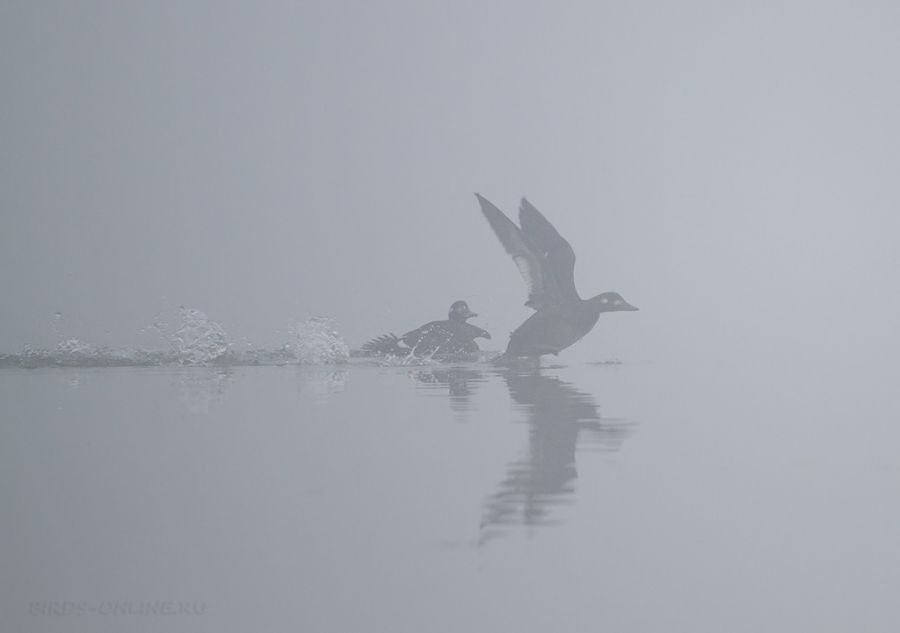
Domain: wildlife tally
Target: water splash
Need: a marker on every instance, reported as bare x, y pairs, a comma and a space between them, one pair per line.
319, 343
404, 361
199, 340
76, 353
75, 349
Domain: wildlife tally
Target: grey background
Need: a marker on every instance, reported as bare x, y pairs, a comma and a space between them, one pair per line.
731, 169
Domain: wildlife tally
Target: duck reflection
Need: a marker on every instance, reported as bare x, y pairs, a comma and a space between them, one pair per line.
560, 419
460, 382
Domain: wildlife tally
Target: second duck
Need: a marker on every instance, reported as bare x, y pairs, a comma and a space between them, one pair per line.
439, 339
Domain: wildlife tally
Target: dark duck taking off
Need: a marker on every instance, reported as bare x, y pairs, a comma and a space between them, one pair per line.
452, 337
547, 263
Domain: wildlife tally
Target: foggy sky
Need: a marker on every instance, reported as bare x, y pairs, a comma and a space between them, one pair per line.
731, 170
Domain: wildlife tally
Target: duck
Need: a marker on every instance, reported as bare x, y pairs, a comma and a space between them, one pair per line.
453, 336
547, 264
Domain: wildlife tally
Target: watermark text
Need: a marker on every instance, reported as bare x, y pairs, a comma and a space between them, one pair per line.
130, 608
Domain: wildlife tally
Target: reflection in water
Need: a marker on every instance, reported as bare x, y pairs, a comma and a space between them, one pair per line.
461, 383
560, 418
201, 387
321, 381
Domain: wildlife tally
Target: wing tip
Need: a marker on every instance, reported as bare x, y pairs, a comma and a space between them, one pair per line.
484, 202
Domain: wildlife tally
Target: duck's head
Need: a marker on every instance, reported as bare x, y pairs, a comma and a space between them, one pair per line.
611, 302
459, 311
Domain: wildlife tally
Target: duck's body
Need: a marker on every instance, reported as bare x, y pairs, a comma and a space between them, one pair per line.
547, 263
550, 330
448, 337
437, 338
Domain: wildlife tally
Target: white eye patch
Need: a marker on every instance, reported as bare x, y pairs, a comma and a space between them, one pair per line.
604, 300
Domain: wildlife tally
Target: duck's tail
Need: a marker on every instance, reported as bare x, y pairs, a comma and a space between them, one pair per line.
386, 344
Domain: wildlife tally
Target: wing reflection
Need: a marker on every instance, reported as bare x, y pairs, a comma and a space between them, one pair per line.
560, 419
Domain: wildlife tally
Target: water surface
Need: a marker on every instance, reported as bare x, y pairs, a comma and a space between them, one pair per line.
620, 497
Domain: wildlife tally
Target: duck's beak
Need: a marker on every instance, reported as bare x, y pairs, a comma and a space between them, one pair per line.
628, 307
471, 314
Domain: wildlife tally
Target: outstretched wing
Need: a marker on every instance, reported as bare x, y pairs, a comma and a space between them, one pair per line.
556, 255
523, 254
